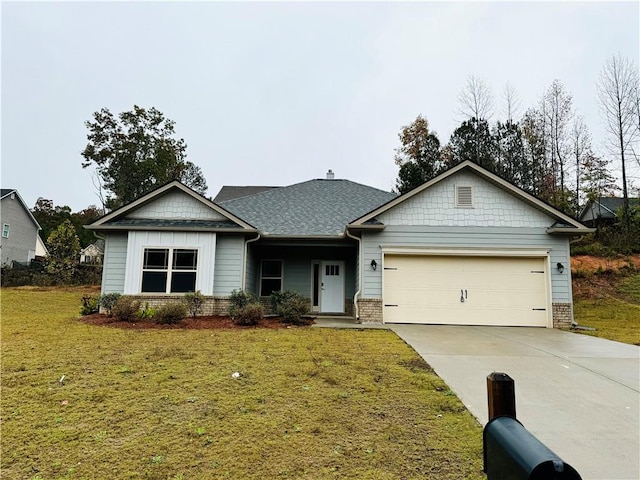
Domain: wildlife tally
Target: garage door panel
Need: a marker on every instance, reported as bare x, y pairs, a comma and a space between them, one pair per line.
495, 290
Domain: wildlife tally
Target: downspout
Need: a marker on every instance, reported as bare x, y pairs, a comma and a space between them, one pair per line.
244, 260
357, 294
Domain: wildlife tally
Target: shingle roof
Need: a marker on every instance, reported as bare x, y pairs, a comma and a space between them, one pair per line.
316, 207
171, 223
229, 192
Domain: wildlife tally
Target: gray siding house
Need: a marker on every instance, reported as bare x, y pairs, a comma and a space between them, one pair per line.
20, 229
464, 248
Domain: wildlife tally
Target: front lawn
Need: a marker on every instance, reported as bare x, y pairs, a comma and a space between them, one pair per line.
309, 403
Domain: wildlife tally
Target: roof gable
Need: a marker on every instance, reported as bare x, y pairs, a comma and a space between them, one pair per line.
6, 192
320, 207
562, 223
172, 206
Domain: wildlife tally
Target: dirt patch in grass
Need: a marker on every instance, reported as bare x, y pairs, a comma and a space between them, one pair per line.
198, 323
588, 264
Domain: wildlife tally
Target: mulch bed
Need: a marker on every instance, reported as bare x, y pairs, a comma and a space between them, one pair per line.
198, 323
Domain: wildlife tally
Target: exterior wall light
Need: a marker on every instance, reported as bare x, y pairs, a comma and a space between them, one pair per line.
560, 267
374, 265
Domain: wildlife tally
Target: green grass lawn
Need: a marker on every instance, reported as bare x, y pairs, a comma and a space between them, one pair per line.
615, 315
310, 403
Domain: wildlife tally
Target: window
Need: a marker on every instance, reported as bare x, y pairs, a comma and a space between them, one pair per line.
270, 277
5, 230
169, 270
464, 196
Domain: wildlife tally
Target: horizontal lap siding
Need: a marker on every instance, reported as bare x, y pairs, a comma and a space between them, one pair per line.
465, 237
115, 262
228, 264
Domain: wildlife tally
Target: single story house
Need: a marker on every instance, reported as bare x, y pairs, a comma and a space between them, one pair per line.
466, 247
604, 211
20, 241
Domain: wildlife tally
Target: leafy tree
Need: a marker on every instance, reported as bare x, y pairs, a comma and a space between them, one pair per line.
135, 153
473, 141
50, 216
419, 155
64, 251
510, 159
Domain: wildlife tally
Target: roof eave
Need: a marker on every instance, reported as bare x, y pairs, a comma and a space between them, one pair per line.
569, 230
126, 228
378, 227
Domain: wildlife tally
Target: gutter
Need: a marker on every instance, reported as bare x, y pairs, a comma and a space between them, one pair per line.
244, 260
357, 294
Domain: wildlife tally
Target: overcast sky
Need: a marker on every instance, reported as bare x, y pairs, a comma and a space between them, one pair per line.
278, 93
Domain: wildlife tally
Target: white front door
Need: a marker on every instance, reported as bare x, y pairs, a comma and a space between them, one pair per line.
332, 287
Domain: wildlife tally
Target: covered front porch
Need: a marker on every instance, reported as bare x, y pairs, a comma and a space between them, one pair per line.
325, 272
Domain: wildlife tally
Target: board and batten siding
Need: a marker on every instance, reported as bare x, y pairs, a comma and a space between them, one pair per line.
466, 238
204, 242
228, 264
114, 263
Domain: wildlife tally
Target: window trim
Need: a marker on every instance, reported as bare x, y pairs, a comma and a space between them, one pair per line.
281, 277
6, 228
169, 270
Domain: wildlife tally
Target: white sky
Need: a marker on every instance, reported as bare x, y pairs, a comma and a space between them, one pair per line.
278, 93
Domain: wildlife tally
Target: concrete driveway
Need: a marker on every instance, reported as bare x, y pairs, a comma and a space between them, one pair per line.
579, 395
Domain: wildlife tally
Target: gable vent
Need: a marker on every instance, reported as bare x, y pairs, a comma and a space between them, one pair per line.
464, 196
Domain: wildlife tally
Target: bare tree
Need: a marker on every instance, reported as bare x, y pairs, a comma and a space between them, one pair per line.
580, 148
476, 100
511, 102
617, 90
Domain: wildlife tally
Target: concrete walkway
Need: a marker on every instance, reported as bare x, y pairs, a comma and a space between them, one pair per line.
579, 395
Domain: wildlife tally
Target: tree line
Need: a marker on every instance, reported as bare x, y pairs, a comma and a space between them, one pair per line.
547, 151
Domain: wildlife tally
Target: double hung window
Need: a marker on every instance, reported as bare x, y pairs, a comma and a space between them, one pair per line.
169, 270
270, 277
5, 230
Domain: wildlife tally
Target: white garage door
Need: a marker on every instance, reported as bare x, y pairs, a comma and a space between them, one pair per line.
465, 290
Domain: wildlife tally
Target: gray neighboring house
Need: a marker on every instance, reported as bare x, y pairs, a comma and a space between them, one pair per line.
604, 211
20, 241
464, 248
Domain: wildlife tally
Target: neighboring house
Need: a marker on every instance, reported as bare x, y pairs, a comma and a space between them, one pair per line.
19, 229
464, 248
604, 211
92, 254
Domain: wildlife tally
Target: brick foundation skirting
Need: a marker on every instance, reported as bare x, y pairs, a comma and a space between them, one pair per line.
370, 310
562, 315
211, 306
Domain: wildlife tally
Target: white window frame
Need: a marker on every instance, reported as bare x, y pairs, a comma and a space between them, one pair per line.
5, 230
281, 277
169, 270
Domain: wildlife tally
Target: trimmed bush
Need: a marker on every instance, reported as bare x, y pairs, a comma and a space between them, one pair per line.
90, 304
126, 308
171, 313
291, 306
108, 300
193, 302
250, 314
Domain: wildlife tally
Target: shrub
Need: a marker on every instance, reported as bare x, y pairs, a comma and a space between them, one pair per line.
171, 313
291, 306
194, 302
126, 308
146, 312
90, 304
250, 314
108, 300
240, 299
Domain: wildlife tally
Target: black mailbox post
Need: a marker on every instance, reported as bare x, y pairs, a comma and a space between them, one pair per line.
512, 453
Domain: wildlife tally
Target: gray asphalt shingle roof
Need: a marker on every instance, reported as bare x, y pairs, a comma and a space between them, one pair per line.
316, 207
171, 223
229, 192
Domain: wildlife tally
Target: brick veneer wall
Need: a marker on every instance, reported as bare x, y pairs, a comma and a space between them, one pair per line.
370, 310
562, 315
211, 306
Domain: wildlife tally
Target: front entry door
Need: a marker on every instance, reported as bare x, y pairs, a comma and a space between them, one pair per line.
332, 287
